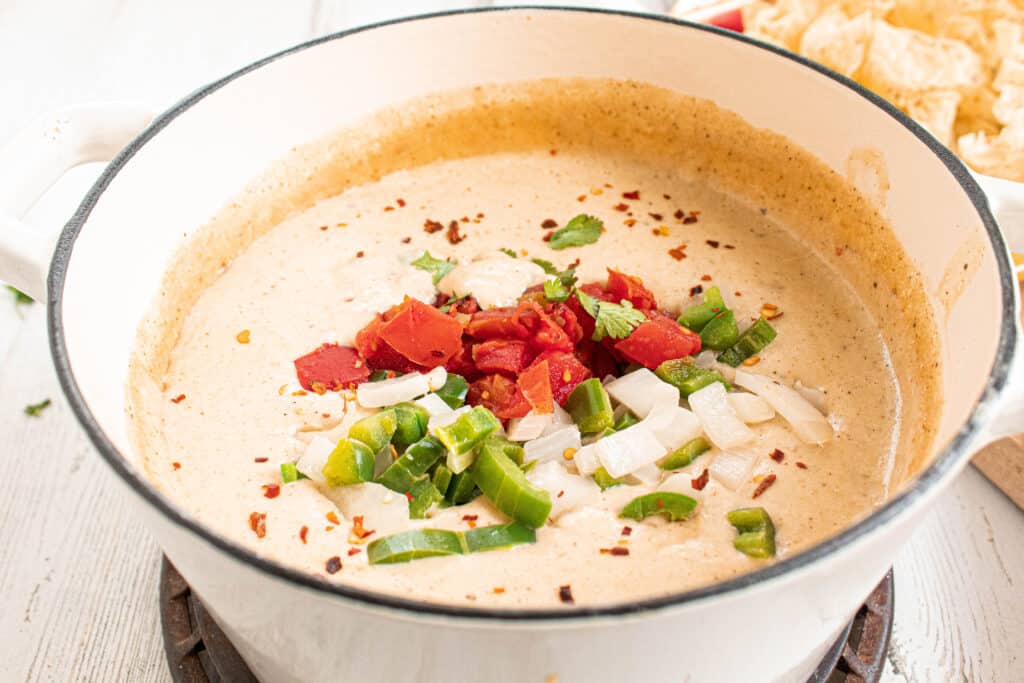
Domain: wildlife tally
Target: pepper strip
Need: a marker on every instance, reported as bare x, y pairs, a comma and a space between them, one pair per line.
506, 486
756, 536
674, 506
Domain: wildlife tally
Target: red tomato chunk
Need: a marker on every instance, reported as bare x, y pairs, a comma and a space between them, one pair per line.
565, 371
333, 367
535, 383
423, 334
507, 356
658, 340
500, 395
621, 286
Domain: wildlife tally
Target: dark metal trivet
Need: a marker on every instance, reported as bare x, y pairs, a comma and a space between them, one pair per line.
199, 652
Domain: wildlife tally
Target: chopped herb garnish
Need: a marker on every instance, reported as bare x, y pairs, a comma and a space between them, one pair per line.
508, 252
611, 320
20, 297
567, 276
554, 290
35, 409
547, 266
452, 301
436, 267
581, 230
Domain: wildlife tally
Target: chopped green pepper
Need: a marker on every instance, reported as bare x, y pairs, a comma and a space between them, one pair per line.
422, 495
412, 464
498, 536
411, 423
290, 473
351, 462
697, 316
590, 407
442, 479
506, 486
605, 480
375, 430
415, 544
674, 506
756, 536
752, 341
626, 419
453, 391
684, 374
721, 332
381, 375
509, 448
465, 434
462, 489
685, 454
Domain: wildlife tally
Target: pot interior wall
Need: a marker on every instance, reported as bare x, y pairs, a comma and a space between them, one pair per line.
178, 180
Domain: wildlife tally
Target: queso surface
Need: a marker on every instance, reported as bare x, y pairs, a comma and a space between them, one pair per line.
217, 419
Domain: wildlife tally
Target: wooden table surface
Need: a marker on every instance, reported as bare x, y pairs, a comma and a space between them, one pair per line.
78, 574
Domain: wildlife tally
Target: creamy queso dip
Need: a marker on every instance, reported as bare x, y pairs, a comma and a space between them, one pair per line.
216, 408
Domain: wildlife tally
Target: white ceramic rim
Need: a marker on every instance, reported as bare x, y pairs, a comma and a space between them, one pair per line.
946, 461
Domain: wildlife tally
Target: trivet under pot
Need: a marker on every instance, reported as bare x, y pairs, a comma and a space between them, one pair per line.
199, 652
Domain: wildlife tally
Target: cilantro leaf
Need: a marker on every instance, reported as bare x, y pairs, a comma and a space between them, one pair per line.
554, 290
547, 266
452, 301
34, 409
611, 320
435, 267
20, 297
581, 230
567, 276
508, 252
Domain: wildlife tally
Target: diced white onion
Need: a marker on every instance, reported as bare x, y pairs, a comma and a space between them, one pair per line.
530, 426
311, 462
814, 395
445, 419
751, 408
434, 405
628, 450
383, 510
809, 424
641, 390
719, 420
552, 446
732, 468
587, 460
437, 377
706, 359
391, 391
568, 491
560, 419
673, 426
648, 474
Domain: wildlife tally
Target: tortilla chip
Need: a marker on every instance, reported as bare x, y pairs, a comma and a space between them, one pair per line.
878, 8
901, 61
782, 22
975, 113
837, 41
999, 155
935, 110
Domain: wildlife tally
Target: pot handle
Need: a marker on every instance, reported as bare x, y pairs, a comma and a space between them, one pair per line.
1006, 200
35, 159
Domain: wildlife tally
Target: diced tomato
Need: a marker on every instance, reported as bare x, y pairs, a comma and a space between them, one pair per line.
496, 323
422, 334
658, 340
599, 357
507, 356
468, 306
378, 354
545, 334
565, 371
332, 367
731, 20
462, 362
535, 383
500, 395
621, 286
585, 320
566, 318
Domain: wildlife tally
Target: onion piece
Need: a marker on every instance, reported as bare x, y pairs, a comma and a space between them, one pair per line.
567, 491
751, 408
628, 450
311, 462
809, 424
552, 446
560, 419
437, 377
434, 405
706, 359
383, 510
648, 474
814, 395
721, 424
528, 427
587, 460
673, 426
445, 419
733, 468
388, 392
641, 390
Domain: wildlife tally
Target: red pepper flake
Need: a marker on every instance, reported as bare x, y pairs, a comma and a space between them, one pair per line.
406, 240
498, 590
678, 253
582, 198
176, 466
763, 486
560, 494
271, 490
635, 194
358, 531
729, 246
400, 202
178, 399
470, 520
565, 594
408, 496
453, 233
667, 196
332, 517
333, 565
705, 278
324, 228
700, 482
354, 551
258, 523
692, 218
549, 223
738, 293
619, 551
260, 459
801, 465
480, 215
320, 388
431, 227
696, 289
712, 243
621, 207
655, 216
360, 254
627, 530
777, 455
303, 533
679, 214
840, 250
464, 219
553, 152
547, 237
629, 222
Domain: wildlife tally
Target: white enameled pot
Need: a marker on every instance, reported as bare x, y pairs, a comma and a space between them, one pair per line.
179, 169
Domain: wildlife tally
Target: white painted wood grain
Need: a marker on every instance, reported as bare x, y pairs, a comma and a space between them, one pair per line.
78, 575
